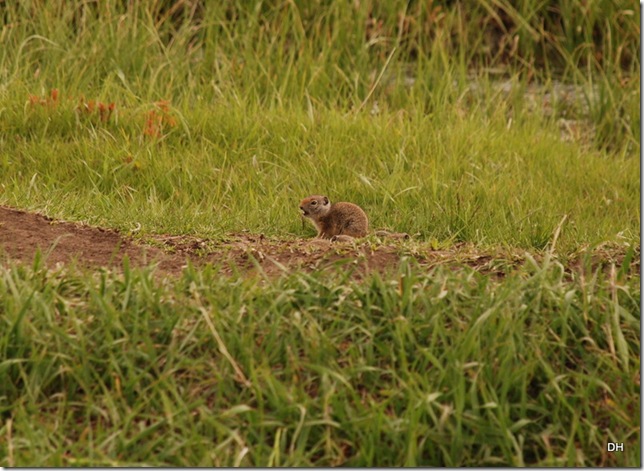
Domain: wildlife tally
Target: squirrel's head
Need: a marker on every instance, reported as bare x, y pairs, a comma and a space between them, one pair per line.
315, 206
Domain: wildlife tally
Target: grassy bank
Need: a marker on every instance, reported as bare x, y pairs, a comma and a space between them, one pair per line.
439, 368
227, 167
213, 120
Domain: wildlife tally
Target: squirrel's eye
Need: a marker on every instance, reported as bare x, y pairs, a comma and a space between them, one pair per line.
313, 203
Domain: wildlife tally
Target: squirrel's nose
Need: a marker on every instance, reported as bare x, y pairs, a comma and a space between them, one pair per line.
302, 208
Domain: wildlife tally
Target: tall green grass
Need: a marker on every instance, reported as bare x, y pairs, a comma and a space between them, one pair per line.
418, 368
328, 54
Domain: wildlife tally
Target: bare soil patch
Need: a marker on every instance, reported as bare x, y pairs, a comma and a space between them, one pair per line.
23, 233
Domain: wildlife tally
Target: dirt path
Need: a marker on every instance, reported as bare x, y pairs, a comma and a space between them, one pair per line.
23, 233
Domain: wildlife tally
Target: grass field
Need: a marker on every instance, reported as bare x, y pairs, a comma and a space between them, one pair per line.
503, 125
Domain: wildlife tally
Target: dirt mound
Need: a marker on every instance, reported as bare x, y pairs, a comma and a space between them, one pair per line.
23, 233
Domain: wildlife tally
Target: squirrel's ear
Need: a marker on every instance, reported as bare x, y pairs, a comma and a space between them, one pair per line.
326, 200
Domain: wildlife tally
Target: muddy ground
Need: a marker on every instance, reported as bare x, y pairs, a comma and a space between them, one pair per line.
23, 233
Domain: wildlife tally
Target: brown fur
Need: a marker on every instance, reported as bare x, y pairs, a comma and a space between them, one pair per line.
338, 219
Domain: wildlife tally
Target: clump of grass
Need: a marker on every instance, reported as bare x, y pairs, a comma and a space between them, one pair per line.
428, 369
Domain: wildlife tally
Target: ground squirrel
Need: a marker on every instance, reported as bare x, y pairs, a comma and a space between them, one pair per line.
336, 221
